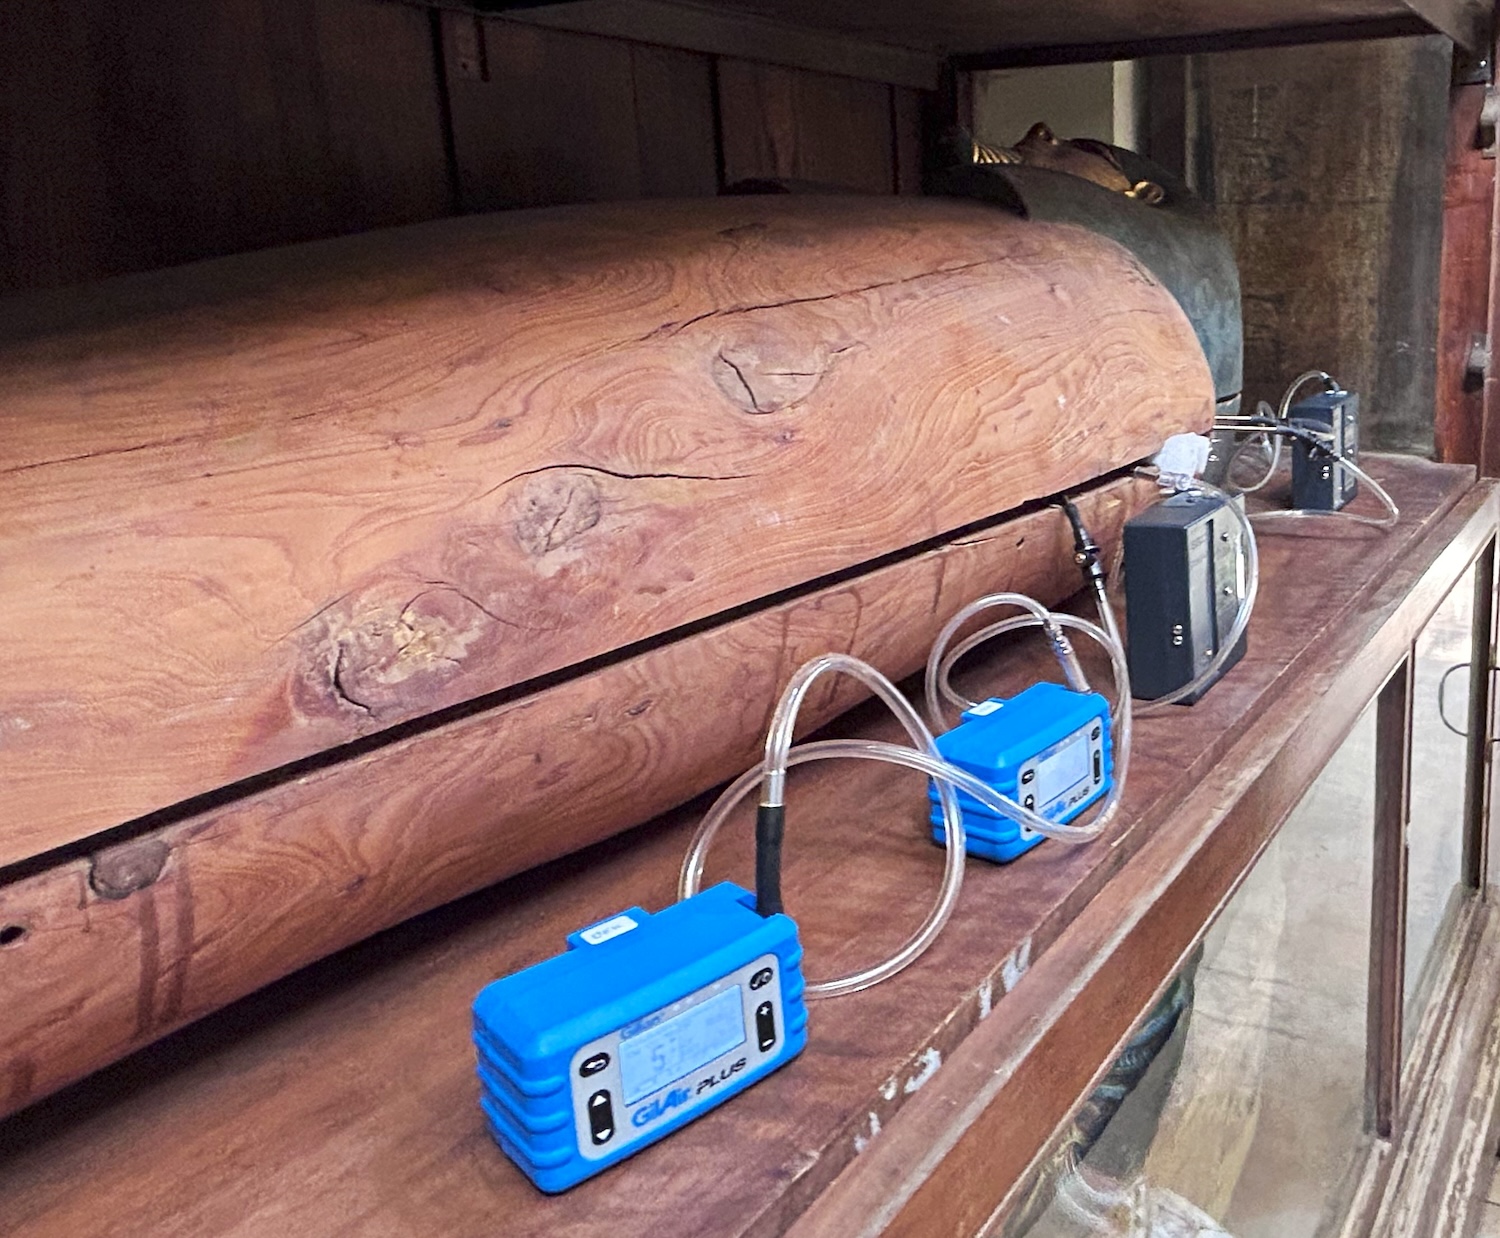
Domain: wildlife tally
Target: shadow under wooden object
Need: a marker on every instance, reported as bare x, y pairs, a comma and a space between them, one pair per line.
342, 1101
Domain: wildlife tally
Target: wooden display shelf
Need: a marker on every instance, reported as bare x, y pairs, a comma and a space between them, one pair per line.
900, 41
342, 1101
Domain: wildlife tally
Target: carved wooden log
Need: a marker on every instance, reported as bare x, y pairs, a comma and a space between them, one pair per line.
119, 947
564, 496
258, 508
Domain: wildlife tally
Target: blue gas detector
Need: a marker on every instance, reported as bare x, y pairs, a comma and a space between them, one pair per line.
644, 1023
1047, 749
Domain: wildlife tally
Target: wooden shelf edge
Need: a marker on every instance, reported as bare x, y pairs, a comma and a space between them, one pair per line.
1037, 55
743, 35
921, 1175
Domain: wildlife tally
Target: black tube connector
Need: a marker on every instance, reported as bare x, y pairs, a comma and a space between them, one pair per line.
770, 826
1086, 552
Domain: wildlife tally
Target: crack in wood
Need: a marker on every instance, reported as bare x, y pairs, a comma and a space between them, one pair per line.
745, 383
618, 473
676, 328
336, 678
108, 451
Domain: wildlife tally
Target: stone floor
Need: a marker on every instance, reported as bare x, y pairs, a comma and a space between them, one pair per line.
1489, 1227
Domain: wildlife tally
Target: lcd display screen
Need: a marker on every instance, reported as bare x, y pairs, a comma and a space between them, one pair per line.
655, 1057
1065, 768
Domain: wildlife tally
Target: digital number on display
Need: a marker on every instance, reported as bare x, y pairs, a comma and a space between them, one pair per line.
653, 1058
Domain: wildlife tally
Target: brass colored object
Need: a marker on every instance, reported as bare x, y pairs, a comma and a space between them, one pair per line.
984, 153
1081, 157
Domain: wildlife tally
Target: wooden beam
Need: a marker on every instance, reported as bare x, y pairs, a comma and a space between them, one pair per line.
1340, 248
1291, 35
1480, 728
259, 509
1440, 1174
725, 31
1463, 290
125, 944
1388, 898
1466, 22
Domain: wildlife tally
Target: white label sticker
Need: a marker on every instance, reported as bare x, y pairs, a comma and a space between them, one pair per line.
610, 928
986, 707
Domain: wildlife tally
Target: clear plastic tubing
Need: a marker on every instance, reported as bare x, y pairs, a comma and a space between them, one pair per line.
1110, 631
947, 777
1282, 413
1121, 725
1388, 521
780, 756
1284, 410
1051, 623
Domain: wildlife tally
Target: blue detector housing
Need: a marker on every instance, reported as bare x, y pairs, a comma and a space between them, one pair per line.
1047, 748
644, 1023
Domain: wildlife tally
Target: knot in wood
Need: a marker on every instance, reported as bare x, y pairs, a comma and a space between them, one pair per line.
556, 507
119, 872
766, 372
395, 657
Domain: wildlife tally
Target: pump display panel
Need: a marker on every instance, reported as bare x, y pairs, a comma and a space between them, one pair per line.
667, 1051
1047, 749
1064, 769
646, 1022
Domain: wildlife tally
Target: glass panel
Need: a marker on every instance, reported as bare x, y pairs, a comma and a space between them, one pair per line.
1240, 1108
1435, 833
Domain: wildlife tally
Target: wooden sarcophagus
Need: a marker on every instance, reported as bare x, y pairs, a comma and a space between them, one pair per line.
339, 581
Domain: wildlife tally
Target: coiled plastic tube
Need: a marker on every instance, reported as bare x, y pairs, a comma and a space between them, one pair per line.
1389, 521
1037, 615
924, 757
945, 667
939, 661
855, 749
1269, 438
1276, 428
948, 777
780, 756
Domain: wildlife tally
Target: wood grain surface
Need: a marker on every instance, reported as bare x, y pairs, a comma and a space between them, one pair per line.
977, 26
1436, 1181
341, 1101
261, 507
177, 131
781, 123
124, 945
546, 117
